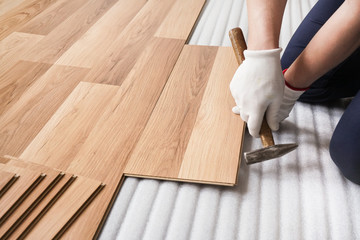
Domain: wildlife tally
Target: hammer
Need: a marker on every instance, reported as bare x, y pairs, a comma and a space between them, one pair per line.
270, 150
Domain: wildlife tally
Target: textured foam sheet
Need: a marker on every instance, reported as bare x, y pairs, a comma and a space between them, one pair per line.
300, 196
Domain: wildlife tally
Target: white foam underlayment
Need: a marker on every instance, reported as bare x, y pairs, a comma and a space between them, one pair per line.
300, 196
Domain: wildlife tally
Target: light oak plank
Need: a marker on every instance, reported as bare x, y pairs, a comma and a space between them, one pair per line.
214, 148
52, 16
18, 16
51, 47
162, 145
124, 52
7, 5
17, 79
180, 19
63, 210
27, 116
14, 46
63, 135
92, 45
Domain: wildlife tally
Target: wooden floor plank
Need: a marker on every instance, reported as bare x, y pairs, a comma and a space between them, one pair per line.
17, 79
13, 48
121, 56
214, 148
63, 210
51, 47
51, 17
60, 138
162, 145
92, 45
180, 19
18, 16
7, 5
27, 116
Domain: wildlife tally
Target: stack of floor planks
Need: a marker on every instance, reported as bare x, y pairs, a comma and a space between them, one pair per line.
95, 90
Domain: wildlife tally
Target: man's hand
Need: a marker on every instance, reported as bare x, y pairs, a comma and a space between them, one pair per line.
258, 86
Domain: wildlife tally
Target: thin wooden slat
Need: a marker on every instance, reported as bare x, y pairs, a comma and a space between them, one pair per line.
51, 47
16, 80
51, 17
19, 192
13, 48
125, 51
6, 181
92, 45
25, 118
214, 148
31, 202
180, 19
162, 145
18, 16
63, 211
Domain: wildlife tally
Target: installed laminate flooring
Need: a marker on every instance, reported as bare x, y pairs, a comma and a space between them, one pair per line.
81, 82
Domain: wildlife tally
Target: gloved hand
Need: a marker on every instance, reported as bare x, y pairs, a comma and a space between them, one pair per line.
291, 94
258, 86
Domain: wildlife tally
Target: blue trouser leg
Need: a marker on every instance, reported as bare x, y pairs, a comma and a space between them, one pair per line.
342, 81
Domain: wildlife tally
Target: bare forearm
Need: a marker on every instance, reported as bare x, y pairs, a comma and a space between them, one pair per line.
335, 41
264, 18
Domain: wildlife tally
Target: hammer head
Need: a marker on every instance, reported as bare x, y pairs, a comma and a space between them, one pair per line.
268, 153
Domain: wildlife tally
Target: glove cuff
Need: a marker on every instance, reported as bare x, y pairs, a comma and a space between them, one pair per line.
294, 88
263, 53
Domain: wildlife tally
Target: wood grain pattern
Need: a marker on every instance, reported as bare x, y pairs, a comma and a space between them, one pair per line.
92, 45
27, 116
18, 16
52, 16
214, 148
14, 82
163, 143
125, 51
180, 19
60, 139
13, 48
51, 47
211, 154
7, 5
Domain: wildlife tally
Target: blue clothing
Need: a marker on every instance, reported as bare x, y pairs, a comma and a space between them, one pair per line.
340, 82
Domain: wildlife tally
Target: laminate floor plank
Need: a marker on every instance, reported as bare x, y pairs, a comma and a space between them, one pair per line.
61, 138
27, 116
15, 81
118, 60
180, 19
193, 141
162, 145
51, 175
100, 150
64, 209
92, 45
61, 38
14, 19
51, 17
20, 188
213, 151
7, 5
14, 46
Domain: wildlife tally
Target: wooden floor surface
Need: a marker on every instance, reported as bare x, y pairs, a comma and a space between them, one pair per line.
103, 88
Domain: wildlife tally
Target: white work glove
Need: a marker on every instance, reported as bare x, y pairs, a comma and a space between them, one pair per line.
291, 95
258, 86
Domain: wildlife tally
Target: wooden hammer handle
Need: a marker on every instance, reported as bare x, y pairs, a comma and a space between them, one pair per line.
239, 45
